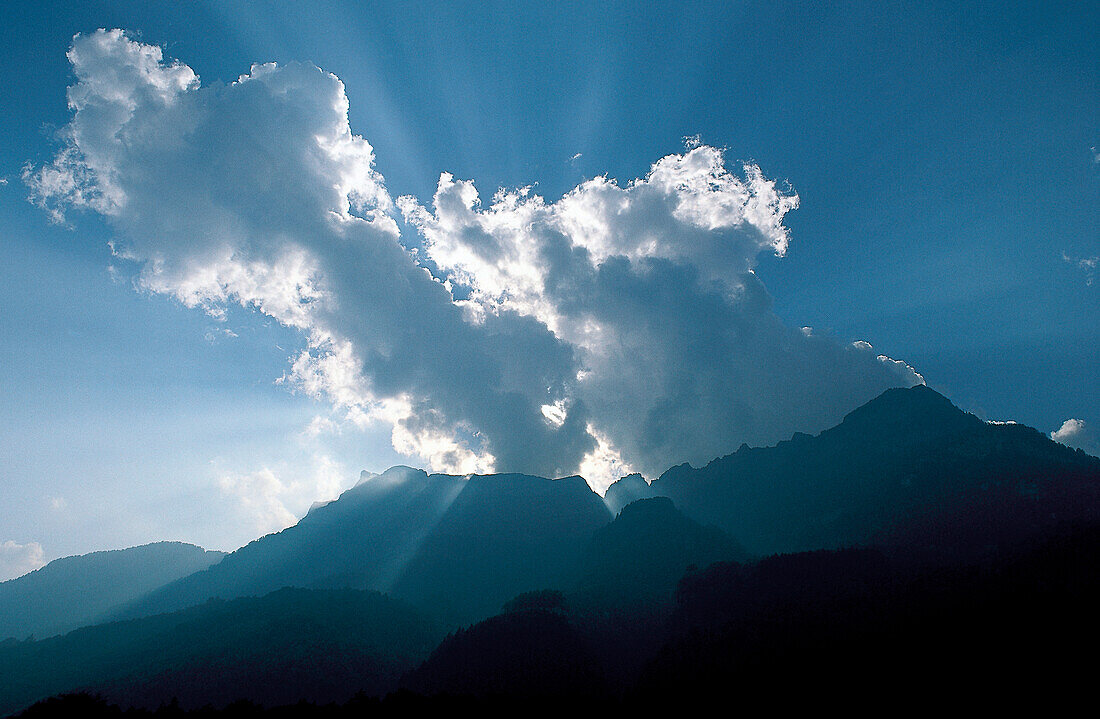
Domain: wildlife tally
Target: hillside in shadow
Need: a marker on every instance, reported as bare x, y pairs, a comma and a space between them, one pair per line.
74, 591
907, 467
857, 628
455, 546
318, 645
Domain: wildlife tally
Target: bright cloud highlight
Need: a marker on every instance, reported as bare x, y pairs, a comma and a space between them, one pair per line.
1079, 435
619, 327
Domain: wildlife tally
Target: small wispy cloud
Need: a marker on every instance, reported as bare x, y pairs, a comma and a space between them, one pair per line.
320, 425
1087, 264
216, 333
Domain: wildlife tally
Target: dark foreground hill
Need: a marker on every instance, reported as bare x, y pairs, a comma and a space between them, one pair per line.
855, 628
636, 560
75, 591
317, 645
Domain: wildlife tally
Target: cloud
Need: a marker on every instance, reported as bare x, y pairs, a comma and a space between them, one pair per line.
261, 495
273, 499
320, 426
257, 192
620, 326
1075, 433
651, 283
1086, 264
18, 559
214, 334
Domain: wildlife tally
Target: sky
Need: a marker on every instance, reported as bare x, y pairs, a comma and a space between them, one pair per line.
251, 249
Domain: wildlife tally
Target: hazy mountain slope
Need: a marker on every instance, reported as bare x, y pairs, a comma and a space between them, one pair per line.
73, 591
638, 558
321, 645
456, 546
360, 541
905, 463
629, 489
905, 454
503, 535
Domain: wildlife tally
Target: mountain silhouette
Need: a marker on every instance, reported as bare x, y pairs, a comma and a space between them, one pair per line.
456, 546
503, 535
801, 565
907, 454
293, 644
530, 653
629, 489
906, 468
74, 591
867, 629
361, 541
637, 559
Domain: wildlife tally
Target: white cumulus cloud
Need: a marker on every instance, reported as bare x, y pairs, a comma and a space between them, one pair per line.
651, 284
273, 499
17, 559
1079, 435
618, 327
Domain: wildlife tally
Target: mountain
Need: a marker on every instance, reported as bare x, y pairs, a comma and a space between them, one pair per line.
868, 629
907, 467
293, 644
669, 601
853, 627
359, 541
526, 652
457, 546
74, 591
629, 489
503, 535
636, 560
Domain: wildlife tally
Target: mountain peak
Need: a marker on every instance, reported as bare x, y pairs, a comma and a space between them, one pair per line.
622, 492
917, 410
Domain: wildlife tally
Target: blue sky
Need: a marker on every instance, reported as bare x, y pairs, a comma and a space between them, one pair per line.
943, 157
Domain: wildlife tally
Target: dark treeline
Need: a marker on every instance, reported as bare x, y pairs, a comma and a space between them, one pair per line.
842, 628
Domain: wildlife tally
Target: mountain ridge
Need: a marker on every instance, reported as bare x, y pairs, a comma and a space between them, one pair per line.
905, 451
77, 590
462, 544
